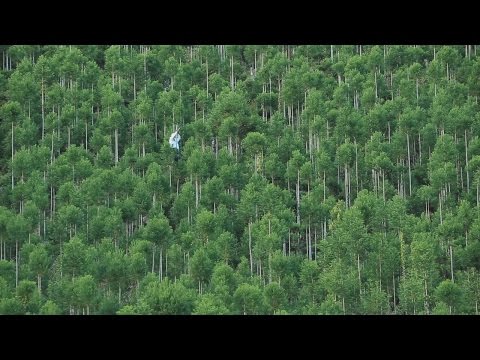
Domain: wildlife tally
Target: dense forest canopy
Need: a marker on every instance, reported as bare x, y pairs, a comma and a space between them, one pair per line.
310, 179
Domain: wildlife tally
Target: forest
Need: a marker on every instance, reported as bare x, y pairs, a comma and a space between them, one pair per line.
311, 180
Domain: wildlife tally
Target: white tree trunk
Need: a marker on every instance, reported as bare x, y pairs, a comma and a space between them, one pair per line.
250, 246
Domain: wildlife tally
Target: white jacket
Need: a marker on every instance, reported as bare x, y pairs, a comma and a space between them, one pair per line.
174, 140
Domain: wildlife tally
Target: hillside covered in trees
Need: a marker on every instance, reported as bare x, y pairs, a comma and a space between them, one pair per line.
311, 180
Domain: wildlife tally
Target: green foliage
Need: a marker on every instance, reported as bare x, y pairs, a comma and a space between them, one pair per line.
11, 306
450, 294
209, 304
274, 297
310, 179
168, 298
49, 308
248, 299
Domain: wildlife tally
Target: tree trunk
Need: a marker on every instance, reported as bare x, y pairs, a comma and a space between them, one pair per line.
43, 109
12, 158
269, 267
16, 263
478, 197
451, 263
466, 162
160, 270
231, 74
394, 296
440, 196
309, 240
324, 187
409, 168
359, 276
196, 191
420, 149
298, 196
416, 86
153, 261
116, 146
426, 296
289, 241
134, 87
206, 62
166, 264
346, 187
356, 166
250, 246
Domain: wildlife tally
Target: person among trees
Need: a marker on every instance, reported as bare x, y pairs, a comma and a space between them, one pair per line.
174, 142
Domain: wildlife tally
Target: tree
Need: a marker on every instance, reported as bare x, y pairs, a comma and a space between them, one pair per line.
157, 184
293, 170
128, 310
159, 232
85, 291
176, 262
201, 268
254, 144
49, 308
17, 231
248, 299
196, 166
412, 294
209, 304
375, 300
213, 191
11, 306
274, 297
423, 256
449, 293
39, 262
28, 296
225, 247
73, 258
267, 234
205, 225
330, 306
116, 271
345, 155
310, 290
167, 298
